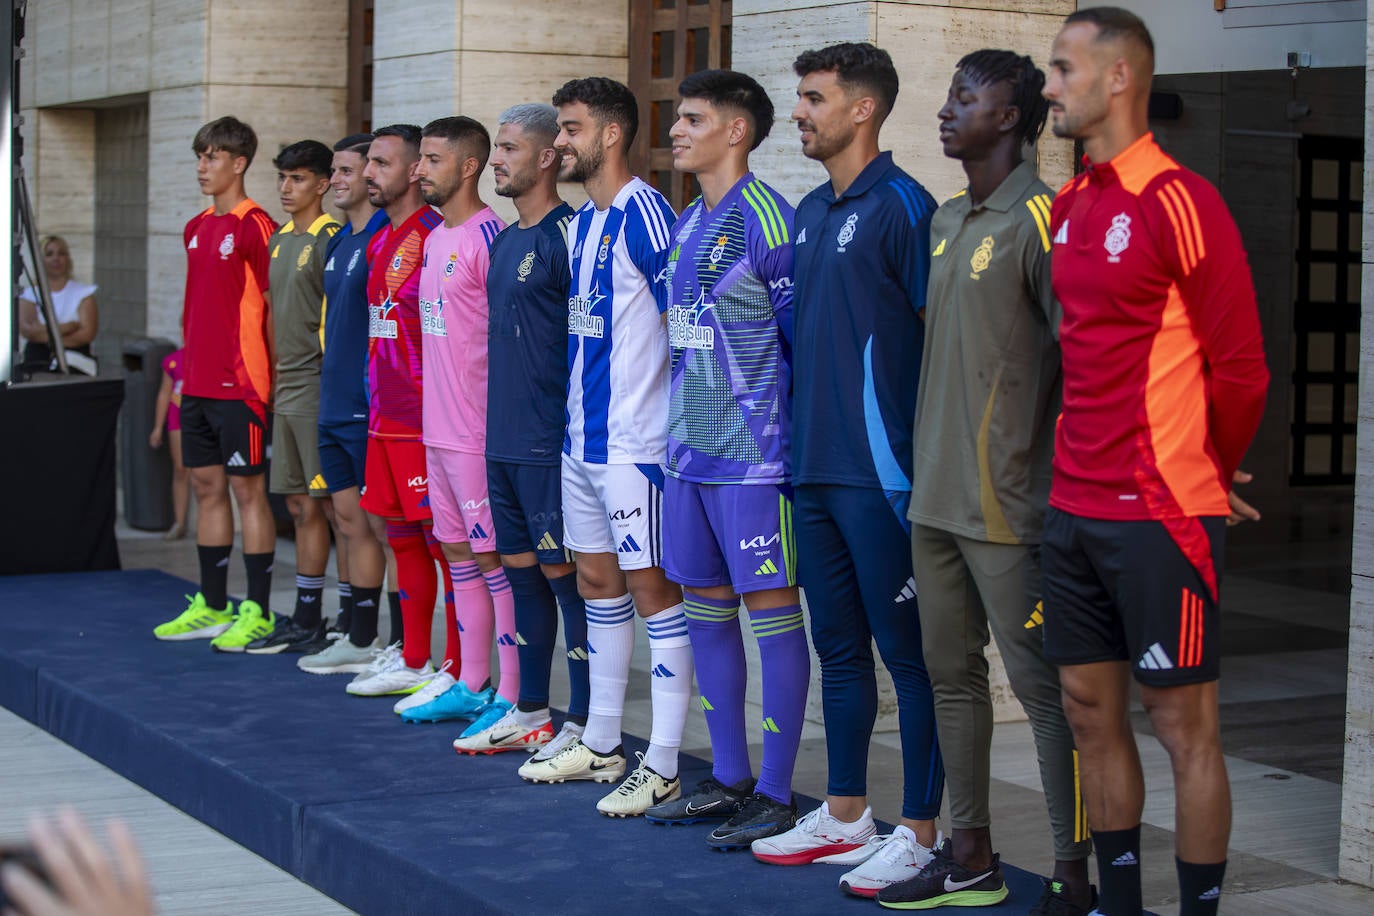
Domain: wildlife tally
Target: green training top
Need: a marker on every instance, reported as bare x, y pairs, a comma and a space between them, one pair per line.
296, 275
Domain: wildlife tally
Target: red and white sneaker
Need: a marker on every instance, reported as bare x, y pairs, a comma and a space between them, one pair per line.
818, 837
507, 734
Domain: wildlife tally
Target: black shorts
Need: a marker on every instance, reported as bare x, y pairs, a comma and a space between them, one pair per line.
1145, 592
228, 433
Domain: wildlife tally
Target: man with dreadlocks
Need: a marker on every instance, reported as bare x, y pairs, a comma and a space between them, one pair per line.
985, 412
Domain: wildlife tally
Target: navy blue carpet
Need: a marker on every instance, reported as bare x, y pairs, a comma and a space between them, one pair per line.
382, 816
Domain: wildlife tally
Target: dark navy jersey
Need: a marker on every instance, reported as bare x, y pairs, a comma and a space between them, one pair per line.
861, 267
343, 327
527, 349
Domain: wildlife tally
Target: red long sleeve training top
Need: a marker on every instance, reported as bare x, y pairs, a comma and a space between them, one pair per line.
1164, 372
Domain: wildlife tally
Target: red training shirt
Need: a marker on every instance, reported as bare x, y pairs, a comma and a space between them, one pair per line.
1164, 372
224, 317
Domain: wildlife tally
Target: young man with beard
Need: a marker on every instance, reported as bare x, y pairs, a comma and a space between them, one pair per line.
527, 289
297, 281
1164, 384
453, 325
615, 448
727, 498
395, 493
985, 413
227, 326
862, 258
343, 407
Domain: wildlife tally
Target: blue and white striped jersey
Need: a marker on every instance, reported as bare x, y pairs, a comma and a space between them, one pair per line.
617, 341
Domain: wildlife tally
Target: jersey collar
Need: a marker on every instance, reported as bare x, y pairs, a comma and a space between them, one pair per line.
1012, 188
863, 182
1133, 159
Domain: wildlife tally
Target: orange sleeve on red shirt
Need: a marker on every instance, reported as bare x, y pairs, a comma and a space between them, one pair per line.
1200, 241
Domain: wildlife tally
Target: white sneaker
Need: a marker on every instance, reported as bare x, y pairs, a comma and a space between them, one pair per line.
818, 837
575, 761
389, 675
440, 683
642, 789
339, 657
506, 734
896, 856
569, 733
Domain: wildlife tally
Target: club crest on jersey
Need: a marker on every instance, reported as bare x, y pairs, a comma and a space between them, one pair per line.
526, 265
581, 318
982, 257
432, 317
378, 324
303, 258
604, 249
396, 261
718, 251
685, 330
846, 232
1118, 237
452, 263
226, 247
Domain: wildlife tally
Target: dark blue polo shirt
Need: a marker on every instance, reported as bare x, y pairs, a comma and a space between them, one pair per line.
343, 371
861, 266
527, 346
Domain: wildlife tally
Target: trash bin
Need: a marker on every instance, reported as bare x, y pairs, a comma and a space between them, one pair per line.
147, 472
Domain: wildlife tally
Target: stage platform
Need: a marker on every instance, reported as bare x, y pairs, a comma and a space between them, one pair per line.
382, 816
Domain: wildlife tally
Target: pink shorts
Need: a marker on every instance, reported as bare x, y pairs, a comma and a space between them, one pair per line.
458, 498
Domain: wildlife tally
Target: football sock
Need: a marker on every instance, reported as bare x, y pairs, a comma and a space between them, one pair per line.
532, 718
398, 619
472, 604
536, 631
419, 586
309, 595
718, 653
1199, 887
345, 619
453, 641
259, 569
506, 649
214, 575
362, 629
670, 658
1118, 871
575, 638
610, 644
785, 663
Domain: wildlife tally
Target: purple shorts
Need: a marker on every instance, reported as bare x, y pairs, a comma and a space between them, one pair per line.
728, 534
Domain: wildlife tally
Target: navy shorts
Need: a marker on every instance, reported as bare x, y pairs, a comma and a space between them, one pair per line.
527, 509
1144, 592
343, 454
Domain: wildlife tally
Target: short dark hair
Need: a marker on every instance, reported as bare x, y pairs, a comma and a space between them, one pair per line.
857, 65
1113, 22
354, 143
306, 154
989, 67
409, 133
228, 134
469, 135
731, 89
606, 99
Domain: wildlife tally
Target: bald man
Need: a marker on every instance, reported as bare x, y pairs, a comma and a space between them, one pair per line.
1164, 384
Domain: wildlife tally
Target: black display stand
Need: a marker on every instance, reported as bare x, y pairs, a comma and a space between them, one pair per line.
58, 466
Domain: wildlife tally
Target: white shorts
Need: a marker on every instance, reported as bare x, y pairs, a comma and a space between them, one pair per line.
614, 508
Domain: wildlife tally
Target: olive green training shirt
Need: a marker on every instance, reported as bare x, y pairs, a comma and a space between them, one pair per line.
989, 393
296, 279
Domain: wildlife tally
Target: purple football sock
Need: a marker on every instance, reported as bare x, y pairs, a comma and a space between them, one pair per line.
718, 655
786, 671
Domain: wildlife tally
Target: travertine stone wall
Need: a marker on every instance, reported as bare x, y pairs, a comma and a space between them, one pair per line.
1357, 792
435, 58
925, 40
280, 69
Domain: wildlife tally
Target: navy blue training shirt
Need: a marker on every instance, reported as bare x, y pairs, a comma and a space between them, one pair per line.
527, 349
343, 371
861, 266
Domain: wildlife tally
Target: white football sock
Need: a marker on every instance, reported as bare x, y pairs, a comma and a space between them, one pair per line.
610, 644
670, 660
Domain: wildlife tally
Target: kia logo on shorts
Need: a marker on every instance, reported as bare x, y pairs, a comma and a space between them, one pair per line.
417, 481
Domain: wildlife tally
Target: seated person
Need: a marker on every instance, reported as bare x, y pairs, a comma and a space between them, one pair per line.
73, 304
